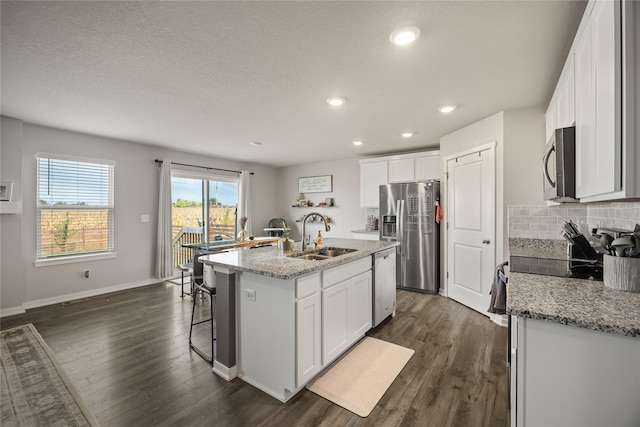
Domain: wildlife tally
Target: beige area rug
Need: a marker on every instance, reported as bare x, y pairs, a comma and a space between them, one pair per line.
359, 379
34, 389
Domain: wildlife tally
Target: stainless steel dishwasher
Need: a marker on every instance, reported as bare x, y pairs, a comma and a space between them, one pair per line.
384, 285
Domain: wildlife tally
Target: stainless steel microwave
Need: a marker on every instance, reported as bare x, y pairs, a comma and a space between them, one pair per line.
559, 166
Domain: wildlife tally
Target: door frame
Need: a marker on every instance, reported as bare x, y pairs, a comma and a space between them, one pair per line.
447, 212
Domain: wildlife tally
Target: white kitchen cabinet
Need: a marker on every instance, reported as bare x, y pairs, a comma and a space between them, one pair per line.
568, 376
565, 96
335, 321
561, 111
428, 167
360, 305
346, 315
551, 119
308, 338
401, 170
598, 96
410, 167
606, 83
372, 176
284, 326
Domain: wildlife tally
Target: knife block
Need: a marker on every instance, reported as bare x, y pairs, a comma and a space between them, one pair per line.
622, 273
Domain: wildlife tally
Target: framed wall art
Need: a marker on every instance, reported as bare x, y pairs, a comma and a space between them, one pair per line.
315, 184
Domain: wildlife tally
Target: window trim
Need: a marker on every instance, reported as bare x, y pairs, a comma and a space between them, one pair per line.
81, 257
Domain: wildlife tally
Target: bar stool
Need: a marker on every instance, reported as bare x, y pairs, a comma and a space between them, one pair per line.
186, 268
200, 285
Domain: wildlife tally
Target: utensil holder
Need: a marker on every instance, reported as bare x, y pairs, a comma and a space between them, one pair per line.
622, 273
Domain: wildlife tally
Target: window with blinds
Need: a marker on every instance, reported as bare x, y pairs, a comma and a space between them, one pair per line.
75, 209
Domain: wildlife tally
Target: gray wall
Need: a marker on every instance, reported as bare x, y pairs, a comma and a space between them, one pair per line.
12, 290
346, 215
136, 192
520, 140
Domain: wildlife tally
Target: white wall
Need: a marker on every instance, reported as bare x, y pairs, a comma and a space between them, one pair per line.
480, 133
346, 215
136, 188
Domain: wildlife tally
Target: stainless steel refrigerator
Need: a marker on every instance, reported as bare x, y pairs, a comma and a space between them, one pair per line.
408, 213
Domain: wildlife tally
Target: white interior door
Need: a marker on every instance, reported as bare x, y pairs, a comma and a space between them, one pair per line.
471, 229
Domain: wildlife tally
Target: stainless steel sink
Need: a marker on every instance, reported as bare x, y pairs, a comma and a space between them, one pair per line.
333, 252
315, 257
321, 254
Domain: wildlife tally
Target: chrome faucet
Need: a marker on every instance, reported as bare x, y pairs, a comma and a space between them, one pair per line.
304, 222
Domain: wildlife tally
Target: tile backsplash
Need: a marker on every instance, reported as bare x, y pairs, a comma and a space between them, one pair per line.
545, 222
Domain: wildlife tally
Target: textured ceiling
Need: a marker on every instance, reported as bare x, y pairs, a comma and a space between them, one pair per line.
210, 77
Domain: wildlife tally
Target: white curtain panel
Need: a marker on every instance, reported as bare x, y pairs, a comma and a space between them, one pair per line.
164, 251
244, 204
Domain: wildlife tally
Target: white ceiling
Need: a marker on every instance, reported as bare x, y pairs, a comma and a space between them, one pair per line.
210, 77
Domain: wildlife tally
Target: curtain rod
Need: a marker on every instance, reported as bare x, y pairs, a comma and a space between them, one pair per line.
202, 167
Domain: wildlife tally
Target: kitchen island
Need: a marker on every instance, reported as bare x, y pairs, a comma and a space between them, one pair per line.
281, 320
575, 352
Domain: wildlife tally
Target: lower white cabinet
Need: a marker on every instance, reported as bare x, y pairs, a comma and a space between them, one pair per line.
335, 321
568, 376
308, 338
346, 315
290, 330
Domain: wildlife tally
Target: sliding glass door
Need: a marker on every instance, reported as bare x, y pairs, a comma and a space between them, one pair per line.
203, 210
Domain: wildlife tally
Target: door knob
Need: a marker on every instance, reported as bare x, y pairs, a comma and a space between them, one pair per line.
486, 241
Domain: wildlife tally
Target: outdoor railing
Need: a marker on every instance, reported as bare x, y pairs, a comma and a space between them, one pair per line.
188, 235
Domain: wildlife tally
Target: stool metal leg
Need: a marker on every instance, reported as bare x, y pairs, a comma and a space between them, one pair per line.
191, 345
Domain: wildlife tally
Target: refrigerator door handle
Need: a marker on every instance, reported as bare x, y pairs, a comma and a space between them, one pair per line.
400, 225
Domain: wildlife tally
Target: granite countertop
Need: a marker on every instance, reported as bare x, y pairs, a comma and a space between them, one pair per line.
365, 231
269, 261
538, 248
577, 302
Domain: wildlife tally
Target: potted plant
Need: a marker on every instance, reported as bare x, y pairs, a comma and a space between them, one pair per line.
287, 244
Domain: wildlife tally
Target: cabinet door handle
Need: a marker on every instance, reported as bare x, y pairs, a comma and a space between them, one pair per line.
486, 241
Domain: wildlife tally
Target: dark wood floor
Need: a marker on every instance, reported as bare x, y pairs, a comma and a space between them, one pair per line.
127, 354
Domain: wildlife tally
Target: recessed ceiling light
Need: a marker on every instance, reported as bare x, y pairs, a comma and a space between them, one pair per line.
256, 143
404, 36
335, 102
447, 108
407, 134
358, 142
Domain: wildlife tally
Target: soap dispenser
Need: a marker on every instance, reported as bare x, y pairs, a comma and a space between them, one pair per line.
319, 241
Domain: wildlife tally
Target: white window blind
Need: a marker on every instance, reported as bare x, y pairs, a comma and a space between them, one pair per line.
75, 208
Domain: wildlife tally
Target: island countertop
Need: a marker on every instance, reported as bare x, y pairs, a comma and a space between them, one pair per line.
270, 261
577, 302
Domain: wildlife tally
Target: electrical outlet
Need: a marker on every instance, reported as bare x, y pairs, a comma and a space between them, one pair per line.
144, 218
250, 294
86, 274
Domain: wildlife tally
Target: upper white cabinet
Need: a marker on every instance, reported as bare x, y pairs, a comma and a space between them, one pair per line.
427, 166
565, 97
551, 119
601, 77
401, 170
372, 176
392, 169
562, 108
598, 95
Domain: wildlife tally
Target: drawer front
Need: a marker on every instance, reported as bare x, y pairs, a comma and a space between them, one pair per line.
307, 285
343, 272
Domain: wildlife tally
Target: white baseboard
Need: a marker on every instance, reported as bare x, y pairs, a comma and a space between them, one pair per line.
500, 319
78, 295
12, 311
222, 371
